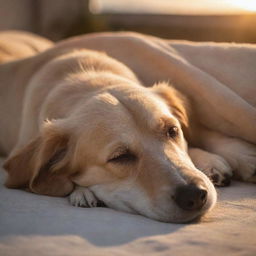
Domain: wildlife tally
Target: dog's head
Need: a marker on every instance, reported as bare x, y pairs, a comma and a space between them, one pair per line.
127, 145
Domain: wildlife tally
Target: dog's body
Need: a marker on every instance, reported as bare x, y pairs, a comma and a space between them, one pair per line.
13, 47
73, 116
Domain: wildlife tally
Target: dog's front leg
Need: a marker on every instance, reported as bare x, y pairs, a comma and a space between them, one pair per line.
240, 154
83, 197
214, 166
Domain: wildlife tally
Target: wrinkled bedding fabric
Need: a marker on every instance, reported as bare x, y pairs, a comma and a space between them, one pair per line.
40, 225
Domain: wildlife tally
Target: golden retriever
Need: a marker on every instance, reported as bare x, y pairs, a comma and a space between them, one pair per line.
78, 122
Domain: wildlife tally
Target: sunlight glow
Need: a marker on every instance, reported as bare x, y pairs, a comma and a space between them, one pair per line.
249, 5
196, 7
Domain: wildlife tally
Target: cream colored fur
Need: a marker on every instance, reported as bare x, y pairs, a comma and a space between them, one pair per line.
68, 112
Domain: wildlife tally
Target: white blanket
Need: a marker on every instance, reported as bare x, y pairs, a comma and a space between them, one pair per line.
39, 225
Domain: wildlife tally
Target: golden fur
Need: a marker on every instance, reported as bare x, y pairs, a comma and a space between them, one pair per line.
83, 123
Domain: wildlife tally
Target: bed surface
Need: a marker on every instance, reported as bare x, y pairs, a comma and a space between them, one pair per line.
40, 225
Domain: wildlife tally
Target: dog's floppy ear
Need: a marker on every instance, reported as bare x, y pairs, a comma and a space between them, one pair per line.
42, 166
176, 101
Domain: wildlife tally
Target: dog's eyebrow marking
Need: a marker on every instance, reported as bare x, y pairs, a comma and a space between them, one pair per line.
123, 149
165, 122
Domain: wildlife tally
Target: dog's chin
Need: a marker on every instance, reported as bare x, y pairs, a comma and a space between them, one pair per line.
170, 214
174, 214
177, 215
182, 217
134, 200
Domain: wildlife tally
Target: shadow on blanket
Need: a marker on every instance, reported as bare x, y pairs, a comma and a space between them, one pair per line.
33, 224
24, 213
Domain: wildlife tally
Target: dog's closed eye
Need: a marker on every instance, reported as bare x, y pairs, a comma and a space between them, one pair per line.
123, 158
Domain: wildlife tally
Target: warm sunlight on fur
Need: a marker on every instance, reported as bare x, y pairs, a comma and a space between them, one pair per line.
135, 146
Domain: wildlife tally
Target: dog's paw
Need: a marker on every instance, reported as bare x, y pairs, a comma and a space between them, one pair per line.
214, 166
241, 157
83, 197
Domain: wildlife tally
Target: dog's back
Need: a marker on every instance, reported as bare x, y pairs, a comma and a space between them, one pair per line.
16, 45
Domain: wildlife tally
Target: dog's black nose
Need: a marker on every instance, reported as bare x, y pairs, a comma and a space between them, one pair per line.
190, 197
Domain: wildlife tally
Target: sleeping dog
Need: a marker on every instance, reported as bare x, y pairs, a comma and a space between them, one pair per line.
77, 122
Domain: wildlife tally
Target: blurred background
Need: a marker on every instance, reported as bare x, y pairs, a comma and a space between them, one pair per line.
197, 20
